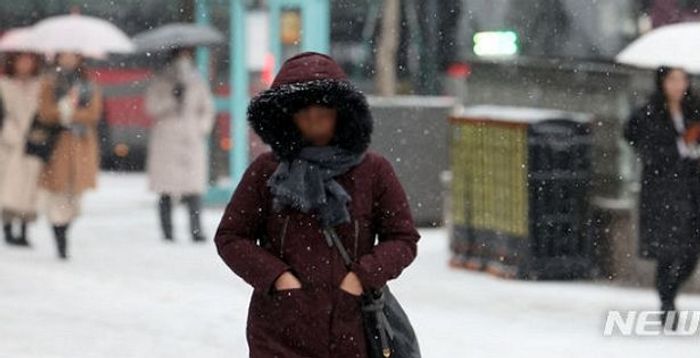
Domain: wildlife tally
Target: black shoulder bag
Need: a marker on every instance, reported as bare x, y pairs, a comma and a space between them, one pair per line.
388, 331
42, 139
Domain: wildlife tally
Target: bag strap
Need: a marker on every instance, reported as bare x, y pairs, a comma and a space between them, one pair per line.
373, 304
333, 240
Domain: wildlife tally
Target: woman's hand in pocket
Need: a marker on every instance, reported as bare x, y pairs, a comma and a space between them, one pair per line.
287, 281
351, 284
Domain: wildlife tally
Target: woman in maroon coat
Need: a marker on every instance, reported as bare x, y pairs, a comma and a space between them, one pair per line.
306, 303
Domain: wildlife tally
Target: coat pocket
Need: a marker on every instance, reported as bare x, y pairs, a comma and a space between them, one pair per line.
283, 235
288, 318
275, 313
348, 306
348, 326
349, 295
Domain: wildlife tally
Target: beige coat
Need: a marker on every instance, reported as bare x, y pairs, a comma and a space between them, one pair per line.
75, 161
20, 172
177, 151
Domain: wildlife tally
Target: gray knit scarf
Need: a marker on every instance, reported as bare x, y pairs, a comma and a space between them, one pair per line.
307, 183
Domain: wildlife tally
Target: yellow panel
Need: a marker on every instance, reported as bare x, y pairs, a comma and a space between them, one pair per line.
493, 160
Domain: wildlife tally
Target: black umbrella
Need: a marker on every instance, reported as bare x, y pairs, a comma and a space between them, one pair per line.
177, 35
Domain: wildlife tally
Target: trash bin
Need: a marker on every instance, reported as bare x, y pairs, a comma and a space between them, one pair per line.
412, 133
519, 191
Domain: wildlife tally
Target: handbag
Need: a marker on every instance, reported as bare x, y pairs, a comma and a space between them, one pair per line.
388, 331
42, 139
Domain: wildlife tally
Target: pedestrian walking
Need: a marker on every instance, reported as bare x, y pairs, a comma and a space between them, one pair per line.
19, 92
664, 134
182, 106
72, 102
319, 179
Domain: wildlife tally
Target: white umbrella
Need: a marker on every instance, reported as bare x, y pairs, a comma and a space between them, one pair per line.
675, 45
17, 40
86, 35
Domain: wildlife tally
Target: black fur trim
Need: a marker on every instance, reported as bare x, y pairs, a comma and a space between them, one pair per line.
270, 115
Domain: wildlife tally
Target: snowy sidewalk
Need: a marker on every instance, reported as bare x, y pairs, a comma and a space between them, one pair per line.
125, 293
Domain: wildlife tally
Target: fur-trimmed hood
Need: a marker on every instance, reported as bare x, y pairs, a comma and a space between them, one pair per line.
306, 79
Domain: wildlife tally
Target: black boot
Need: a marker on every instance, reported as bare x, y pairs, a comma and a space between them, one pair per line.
13, 240
668, 312
7, 230
194, 205
60, 234
165, 208
22, 239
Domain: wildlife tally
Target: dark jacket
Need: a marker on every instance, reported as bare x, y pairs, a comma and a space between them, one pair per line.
668, 206
259, 244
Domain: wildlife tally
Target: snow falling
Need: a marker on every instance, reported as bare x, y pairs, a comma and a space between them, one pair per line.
523, 175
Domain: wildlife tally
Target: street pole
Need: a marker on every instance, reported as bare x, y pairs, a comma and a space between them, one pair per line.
202, 18
238, 157
388, 45
428, 83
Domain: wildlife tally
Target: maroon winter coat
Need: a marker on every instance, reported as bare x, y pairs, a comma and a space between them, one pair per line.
259, 244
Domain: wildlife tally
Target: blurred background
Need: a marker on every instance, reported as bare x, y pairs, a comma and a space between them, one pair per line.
555, 199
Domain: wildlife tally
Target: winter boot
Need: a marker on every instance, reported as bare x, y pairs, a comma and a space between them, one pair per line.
22, 239
13, 240
668, 312
60, 234
7, 230
165, 208
194, 205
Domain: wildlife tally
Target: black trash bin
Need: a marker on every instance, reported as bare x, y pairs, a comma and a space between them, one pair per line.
519, 192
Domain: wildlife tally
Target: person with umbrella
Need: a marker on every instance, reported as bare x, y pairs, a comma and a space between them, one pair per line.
69, 98
180, 101
19, 94
182, 105
664, 133
70, 106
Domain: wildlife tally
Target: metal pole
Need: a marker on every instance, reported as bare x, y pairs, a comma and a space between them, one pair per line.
275, 40
238, 157
428, 83
202, 18
316, 26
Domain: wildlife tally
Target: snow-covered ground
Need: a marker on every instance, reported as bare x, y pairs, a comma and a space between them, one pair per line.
125, 293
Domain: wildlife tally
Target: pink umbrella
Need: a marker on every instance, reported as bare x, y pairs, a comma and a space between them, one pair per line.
17, 40
85, 35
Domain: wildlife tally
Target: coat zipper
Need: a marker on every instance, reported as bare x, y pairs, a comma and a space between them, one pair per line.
357, 237
283, 235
